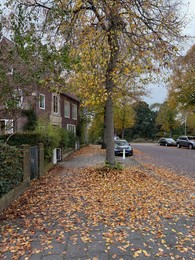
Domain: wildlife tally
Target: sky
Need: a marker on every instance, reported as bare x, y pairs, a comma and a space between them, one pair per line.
159, 91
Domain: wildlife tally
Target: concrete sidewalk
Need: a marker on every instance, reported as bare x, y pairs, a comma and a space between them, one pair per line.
50, 223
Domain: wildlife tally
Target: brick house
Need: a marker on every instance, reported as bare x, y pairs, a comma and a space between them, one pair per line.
58, 109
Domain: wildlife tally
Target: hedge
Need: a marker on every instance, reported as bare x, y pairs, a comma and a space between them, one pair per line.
51, 139
11, 170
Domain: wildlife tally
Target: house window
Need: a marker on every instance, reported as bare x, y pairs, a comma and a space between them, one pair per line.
42, 101
67, 109
71, 128
74, 111
55, 104
6, 126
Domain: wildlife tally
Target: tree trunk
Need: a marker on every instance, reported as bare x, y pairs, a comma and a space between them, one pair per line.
110, 156
104, 133
109, 131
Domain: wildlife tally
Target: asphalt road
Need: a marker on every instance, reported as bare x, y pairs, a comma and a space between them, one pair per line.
182, 160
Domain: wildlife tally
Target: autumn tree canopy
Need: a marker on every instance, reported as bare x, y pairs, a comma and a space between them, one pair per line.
181, 88
111, 42
124, 116
167, 118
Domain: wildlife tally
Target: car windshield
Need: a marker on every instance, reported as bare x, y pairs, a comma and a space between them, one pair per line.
121, 142
170, 139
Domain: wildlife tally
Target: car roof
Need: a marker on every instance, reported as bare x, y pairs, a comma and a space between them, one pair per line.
120, 140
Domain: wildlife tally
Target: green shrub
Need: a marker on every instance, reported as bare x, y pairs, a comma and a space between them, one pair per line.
64, 138
72, 139
51, 136
31, 120
18, 139
11, 168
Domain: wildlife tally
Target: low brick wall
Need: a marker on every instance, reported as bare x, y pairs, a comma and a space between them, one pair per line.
67, 153
12, 195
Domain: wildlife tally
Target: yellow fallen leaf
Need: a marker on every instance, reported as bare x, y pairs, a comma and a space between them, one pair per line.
137, 253
146, 253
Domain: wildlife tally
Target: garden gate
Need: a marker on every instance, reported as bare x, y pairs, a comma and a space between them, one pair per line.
34, 162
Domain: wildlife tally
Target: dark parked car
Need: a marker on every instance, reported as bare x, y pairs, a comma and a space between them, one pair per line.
120, 145
167, 141
186, 141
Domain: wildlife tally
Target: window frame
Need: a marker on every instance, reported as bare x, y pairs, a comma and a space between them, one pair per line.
9, 123
55, 100
42, 101
66, 109
71, 128
74, 111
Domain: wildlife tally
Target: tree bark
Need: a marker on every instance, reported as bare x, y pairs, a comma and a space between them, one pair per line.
109, 131
110, 156
104, 132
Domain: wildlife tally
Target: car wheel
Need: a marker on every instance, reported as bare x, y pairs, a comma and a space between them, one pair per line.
190, 146
178, 145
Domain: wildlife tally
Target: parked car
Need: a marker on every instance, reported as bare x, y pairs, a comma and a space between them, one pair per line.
120, 145
167, 141
186, 141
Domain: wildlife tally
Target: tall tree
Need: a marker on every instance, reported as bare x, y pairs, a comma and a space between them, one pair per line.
167, 118
144, 126
124, 115
181, 88
123, 35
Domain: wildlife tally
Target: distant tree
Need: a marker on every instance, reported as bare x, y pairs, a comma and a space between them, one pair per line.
124, 116
144, 126
190, 121
96, 130
167, 118
181, 94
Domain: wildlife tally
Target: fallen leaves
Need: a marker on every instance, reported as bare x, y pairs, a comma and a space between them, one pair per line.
79, 199
138, 252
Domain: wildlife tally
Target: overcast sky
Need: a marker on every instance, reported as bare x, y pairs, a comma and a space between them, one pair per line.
159, 91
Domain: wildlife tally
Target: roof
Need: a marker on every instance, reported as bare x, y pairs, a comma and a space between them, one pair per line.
72, 96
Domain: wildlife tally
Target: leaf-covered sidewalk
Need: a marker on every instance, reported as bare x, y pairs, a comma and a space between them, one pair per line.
78, 212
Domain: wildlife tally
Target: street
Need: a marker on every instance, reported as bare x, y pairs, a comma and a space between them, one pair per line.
182, 160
